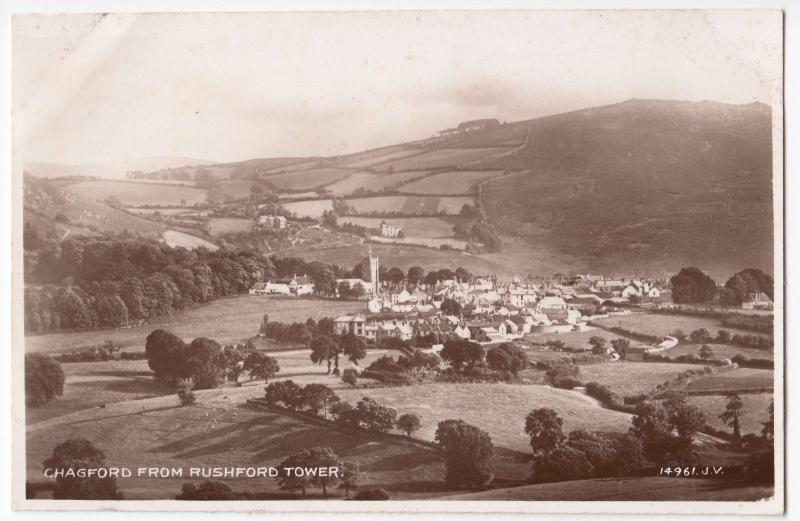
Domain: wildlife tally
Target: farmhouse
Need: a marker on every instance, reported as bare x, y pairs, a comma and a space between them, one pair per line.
275, 222
390, 230
758, 300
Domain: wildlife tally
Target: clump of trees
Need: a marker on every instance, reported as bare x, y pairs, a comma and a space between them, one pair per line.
581, 454
507, 358
44, 379
691, 285
203, 361
311, 468
73, 455
666, 430
468, 453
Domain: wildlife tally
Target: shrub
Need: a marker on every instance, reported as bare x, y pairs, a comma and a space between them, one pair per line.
350, 377
408, 423
561, 464
44, 379
468, 453
373, 494
186, 396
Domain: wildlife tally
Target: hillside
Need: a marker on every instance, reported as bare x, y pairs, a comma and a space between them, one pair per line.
54, 212
642, 186
111, 170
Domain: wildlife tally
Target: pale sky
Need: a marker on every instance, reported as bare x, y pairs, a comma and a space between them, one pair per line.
229, 87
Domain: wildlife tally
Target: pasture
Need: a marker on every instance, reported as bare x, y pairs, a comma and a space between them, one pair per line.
219, 432
409, 204
178, 239
307, 179
662, 325
225, 320
578, 339
460, 182
350, 183
380, 156
752, 415
429, 227
446, 157
741, 379
499, 409
631, 378
313, 208
720, 351
221, 225
139, 194
392, 181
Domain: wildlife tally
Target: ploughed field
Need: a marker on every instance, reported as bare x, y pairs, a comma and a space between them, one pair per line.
225, 320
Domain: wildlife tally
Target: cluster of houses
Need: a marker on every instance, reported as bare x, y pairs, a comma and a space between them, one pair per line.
488, 311
272, 222
295, 286
390, 230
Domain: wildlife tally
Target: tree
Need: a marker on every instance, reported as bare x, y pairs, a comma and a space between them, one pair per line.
374, 416
415, 275
293, 471
44, 379
749, 281
408, 423
687, 419
342, 412
561, 464
598, 344
287, 392
545, 429
468, 453
349, 471
324, 349
733, 407
450, 307
507, 358
691, 285
395, 275
186, 396
206, 363
75, 454
166, 355
354, 347
652, 424
461, 351
621, 346
206, 491
700, 336
350, 377
261, 365
706, 353
319, 397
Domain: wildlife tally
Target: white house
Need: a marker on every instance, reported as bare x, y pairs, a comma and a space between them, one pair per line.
272, 221
390, 230
350, 324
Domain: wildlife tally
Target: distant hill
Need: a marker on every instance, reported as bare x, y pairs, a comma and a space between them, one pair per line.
643, 185
111, 170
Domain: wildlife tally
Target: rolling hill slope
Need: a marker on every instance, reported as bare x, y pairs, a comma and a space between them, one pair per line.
643, 186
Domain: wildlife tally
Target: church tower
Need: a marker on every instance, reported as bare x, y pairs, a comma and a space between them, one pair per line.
370, 272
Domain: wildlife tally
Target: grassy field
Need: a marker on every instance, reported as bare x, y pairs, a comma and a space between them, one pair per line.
231, 189
743, 378
217, 432
661, 325
222, 225
577, 339
178, 239
347, 185
720, 351
225, 320
442, 158
139, 194
364, 160
624, 489
393, 180
429, 227
631, 378
499, 409
462, 182
753, 414
307, 179
410, 205
313, 208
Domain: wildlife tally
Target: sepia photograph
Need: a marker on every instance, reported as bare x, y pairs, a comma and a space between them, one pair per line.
446, 260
